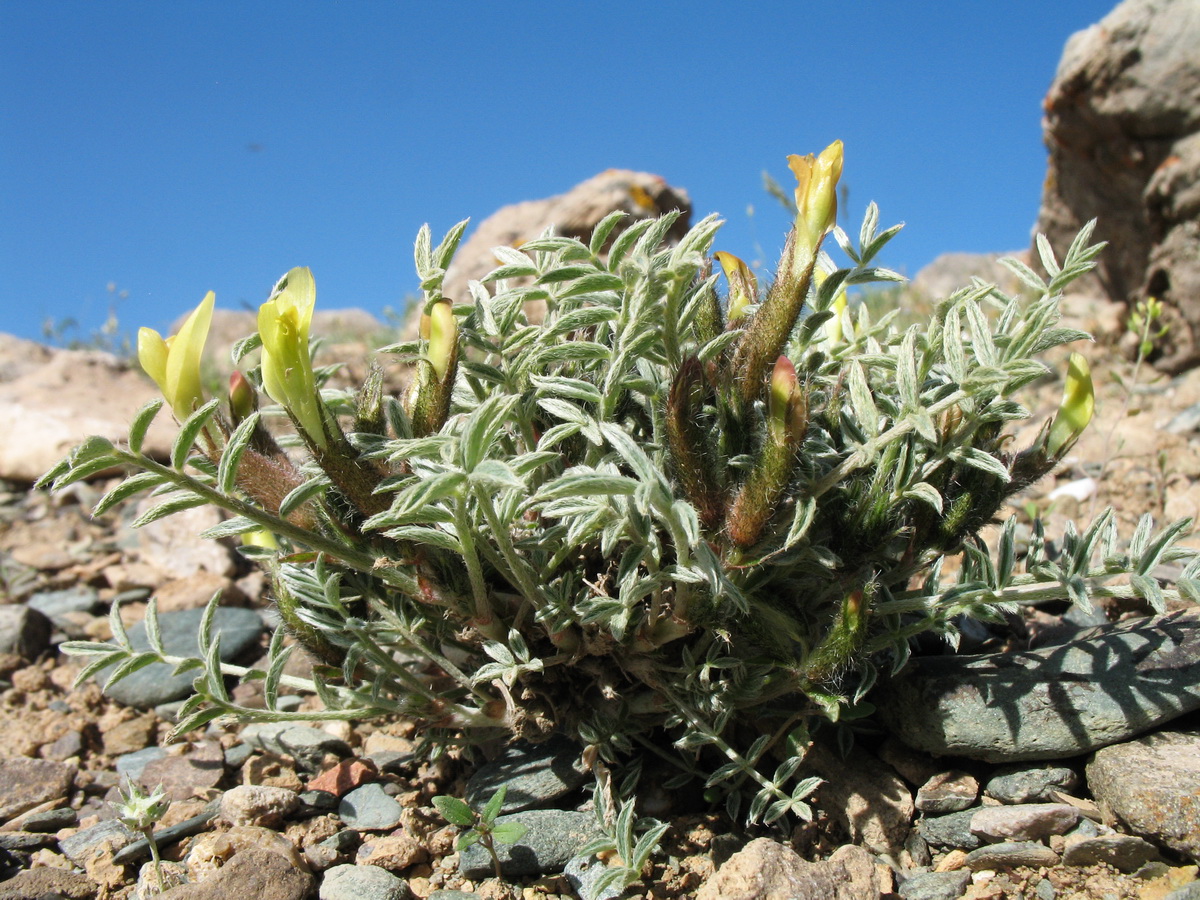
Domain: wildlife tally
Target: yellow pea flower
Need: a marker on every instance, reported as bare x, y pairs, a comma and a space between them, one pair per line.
287, 373
816, 194
743, 286
174, 362
833, 328
1078, 405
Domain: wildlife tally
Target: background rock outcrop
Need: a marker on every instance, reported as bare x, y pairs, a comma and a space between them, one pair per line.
1122, 126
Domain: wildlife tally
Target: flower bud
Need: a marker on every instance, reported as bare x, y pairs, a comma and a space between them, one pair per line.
743, 286
243, 399
1078, 404
174, 363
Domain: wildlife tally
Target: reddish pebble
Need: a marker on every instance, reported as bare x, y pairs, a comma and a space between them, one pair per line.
345, 777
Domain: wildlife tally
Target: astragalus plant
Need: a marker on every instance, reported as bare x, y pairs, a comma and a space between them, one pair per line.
617, 505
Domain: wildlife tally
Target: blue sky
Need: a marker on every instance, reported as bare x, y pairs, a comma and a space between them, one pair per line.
173, 148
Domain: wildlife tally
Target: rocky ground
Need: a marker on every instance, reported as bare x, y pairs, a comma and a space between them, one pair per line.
342, 811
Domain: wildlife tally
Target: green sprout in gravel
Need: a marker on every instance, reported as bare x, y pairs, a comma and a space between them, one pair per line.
656, 517
481, 827
140, 812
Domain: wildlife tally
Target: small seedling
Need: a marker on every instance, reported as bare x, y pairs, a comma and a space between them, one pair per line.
141, 811
481, 827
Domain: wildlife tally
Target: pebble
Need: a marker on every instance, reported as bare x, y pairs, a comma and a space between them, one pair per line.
252, 804
936, 885
1050, 703
946, 793
368, 808
133, 764
252, 874
768, 869
26, 840
26, 783
69, 745
48, 881
952, 831
1125, 852
147, 688
236, 755
552, 837
1187, 892
1024, 822
51, 820
394, 852
344, 777
536, 775
79, 846
1031, 784
199, 767
23, 631
55, 605
582, 873
1011, 855
1152, 786
362, 883
130, 736
317, 802
305, 744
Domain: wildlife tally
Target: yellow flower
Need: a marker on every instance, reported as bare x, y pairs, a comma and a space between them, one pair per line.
816, 193
743, 286
1078, 404
287, 373
174, 363
833, 328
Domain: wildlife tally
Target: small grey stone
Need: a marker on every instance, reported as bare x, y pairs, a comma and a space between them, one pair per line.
350, 882
1011, 855
305, 744
319, 801
133, 764
55, 605
147, 688
47, 882
26, 840
583, 872
1045, 889
393, 762
51, 819
947, 792
936, 885
67, 746
1024, 822
238, 754
444, 894
1031, 784
368, 808
23, 631
536, 775
25, 783
1185, 421
1125, 852
552, 837
950, 832
345, 841
79, 847
1187, 892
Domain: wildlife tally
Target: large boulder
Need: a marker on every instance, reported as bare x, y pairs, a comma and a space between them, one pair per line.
1121, 124
573, 214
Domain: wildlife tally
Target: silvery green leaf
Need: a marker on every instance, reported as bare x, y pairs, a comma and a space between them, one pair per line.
423, 252
153, 632
301, 494
865, 412
1027, 276
1046, 254
98, 665
602, 231
231, 457
870, 222
562, 386
596, 283
564, 410
189, 431
493, 474
129, 666
906, 370
195, 721
243, 346
432, 537
483, 427
1148, 589
444, 253
926, 493
83, 471
204, 634
1148, 559
134, 484
169, 508
141, 424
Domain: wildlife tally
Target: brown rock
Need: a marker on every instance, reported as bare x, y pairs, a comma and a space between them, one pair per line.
200, 767
254, 804
213, 850
24, 783
345, 777
73, 394
1024, 821
947, 792
767, 870
1121, 120
1151, 786
393, 852
865, 796
35, 884
253, 874
130, 736
573, 214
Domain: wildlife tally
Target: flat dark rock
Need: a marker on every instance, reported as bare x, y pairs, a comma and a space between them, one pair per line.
1051, 703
